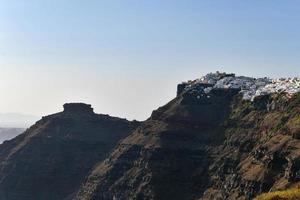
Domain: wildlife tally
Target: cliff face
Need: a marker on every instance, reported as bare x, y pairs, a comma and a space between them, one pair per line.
261, 150
169, 155
208, 143
205, 146
51, 159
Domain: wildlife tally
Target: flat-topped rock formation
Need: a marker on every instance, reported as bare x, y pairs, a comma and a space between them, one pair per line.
78, 108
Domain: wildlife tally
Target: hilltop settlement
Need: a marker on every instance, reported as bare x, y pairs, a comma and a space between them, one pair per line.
249, 87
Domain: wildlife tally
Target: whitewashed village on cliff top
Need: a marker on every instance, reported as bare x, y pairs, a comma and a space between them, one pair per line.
250, 87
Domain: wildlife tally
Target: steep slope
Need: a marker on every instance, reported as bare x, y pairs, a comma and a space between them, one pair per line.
51, 159
211, 145
168, 157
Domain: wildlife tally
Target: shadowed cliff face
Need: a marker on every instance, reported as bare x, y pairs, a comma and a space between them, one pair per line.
169, 155
216, 146
51, 159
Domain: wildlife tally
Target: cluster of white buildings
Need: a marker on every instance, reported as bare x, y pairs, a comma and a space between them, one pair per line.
249, 87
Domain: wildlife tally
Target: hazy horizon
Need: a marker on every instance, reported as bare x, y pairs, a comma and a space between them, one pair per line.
17, 120
125, 58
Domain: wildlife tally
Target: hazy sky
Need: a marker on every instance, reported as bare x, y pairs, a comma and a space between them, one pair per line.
125, 57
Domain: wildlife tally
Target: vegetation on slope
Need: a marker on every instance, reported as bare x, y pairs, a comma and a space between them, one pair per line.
291, 194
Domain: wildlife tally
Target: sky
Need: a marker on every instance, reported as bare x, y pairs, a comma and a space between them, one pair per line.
125, 57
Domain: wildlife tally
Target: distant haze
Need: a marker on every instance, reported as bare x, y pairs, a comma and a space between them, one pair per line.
9, 133
15, 120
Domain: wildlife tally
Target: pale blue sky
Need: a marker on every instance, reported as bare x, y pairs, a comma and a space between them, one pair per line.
126, 56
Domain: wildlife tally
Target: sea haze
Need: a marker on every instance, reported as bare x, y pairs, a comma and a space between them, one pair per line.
9, 133
16, 120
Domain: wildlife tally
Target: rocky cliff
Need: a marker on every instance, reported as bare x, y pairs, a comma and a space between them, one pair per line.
205, 145
211, 142
52, 158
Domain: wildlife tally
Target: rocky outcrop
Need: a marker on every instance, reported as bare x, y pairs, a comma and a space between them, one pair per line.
52, 158
78, 108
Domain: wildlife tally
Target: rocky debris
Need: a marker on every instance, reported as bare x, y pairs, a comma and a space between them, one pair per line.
51, 159
249, 87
